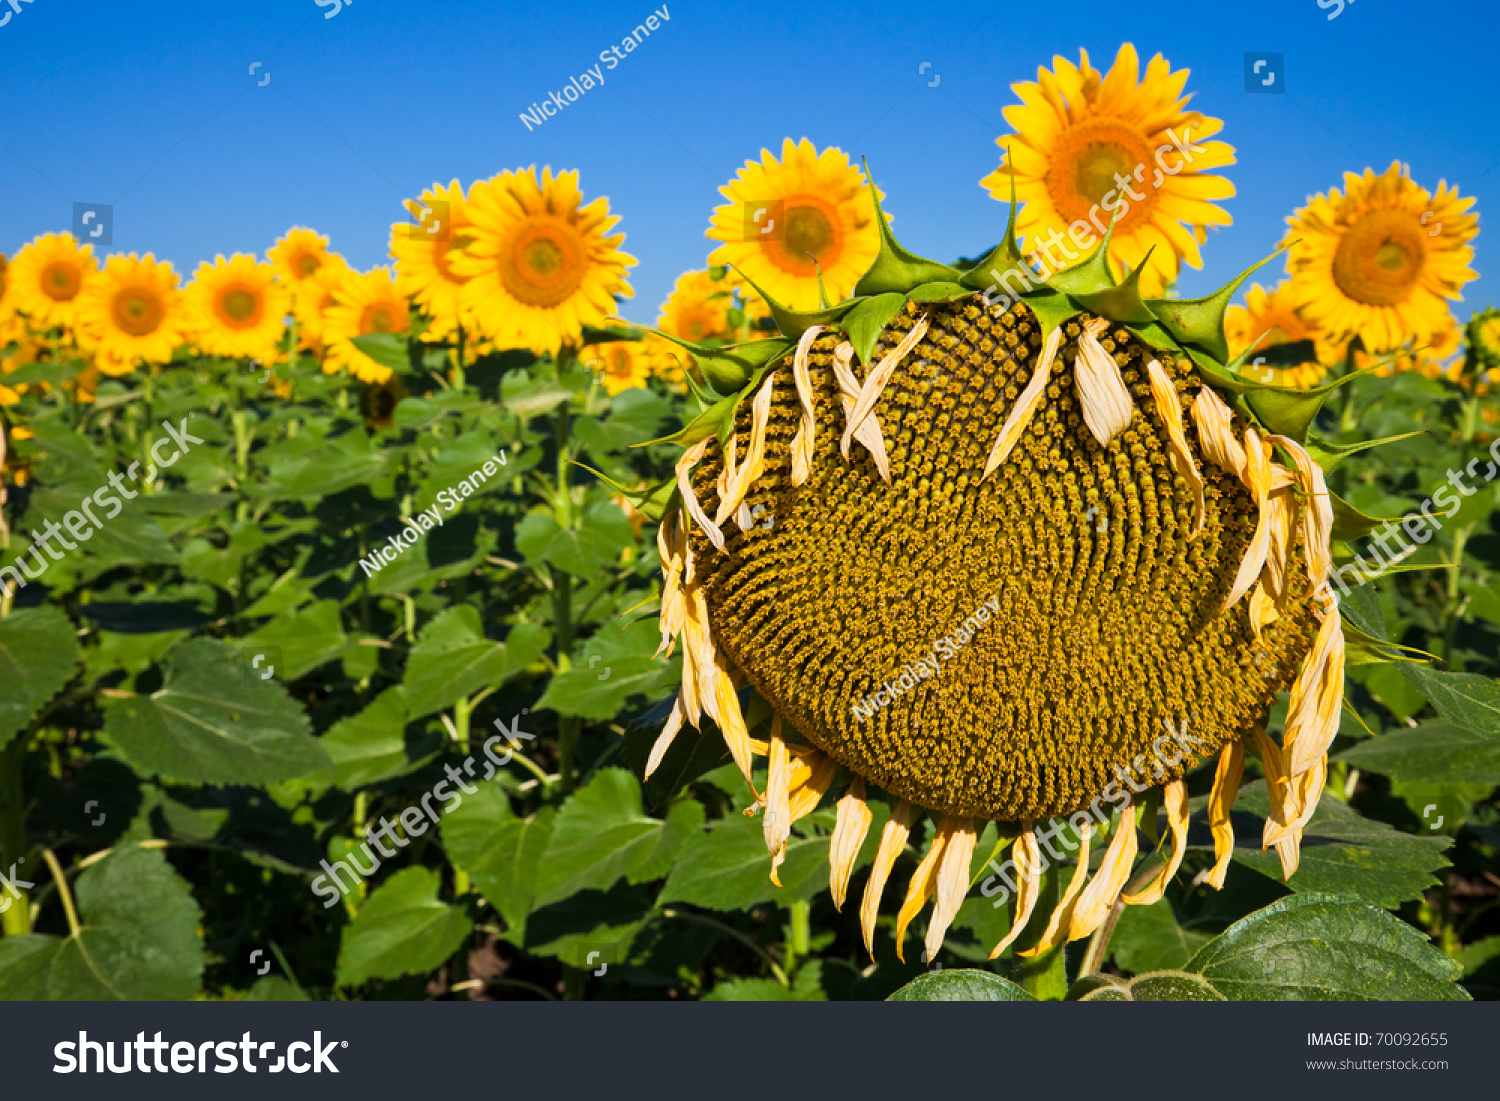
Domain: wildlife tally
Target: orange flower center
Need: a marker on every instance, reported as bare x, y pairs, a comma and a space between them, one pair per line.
381, 317
307, 263
811, 233
61, 280
1380, 258
138, 311
1093, 165
240, 307
544, 264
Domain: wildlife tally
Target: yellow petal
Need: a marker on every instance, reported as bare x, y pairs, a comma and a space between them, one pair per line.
777, 824
685, 464
1220, 802
1174, 798
1062, 915
1169, 409
1257, 477
1028, 858
923, 881
727, 470
849, 830
1026, 405
1215, 426
952, 882
664, 739
802, 443
1278, 788
875, 382
1099, 896
869, 432
808, 792
755, 456
726, 712
892, 842
1262, 609
1107, 407
1312, 714
1282, 506
1317, 513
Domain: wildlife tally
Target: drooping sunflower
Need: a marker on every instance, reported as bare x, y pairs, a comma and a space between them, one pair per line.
422, 251
1382, 260
540, 264
237, 308
1029, 559
620, 364
365, 304
1088, 148
298, 256
132, 312
1270, 319
788, 219
47, 278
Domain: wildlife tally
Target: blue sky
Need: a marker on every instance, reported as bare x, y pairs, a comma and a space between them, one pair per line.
149, 106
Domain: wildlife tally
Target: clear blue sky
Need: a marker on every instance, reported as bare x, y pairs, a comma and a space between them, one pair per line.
148, 104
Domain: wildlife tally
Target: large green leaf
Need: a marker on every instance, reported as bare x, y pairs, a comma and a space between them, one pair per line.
1464, 699
138, 939
402, 929
214, 721
1324, 948
500, 851
1344, 853
305, 640
452, 659
1433, 752
38, 655
597, 541
960, 985
1149, 938
616, 665
726, 867
602, 834
371, 746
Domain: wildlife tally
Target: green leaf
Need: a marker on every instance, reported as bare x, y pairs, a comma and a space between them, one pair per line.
214, 721
1433, 752
500, 851
866, 320
1465, 699
1311, 947
386, 349
1003, 258
1200, 321
595, 543
794, 323
616, 665
1291, 412
635, 416
895, 269
321, 468
306, 639
1349, 523
726, 867
693, 752
527, 398
939, 292
138, 939
1120, 304
1148, 938
1091, 275
806, 987
1328, 454
729, 367
371, 746
602, 834
402, 929
960, 985
1155, 986
452, 659
38, 655
1345, 854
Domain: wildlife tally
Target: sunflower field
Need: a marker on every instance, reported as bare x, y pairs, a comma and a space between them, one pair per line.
1004, 627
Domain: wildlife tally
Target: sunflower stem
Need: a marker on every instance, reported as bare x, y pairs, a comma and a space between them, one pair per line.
562, 592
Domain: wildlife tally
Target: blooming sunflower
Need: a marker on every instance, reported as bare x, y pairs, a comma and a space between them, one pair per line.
422, 252
1087, 149
1029, 560
621, 364
319, 295
824, 212
1269, 318
47, 278
1436, 358
540, 265
132, 312
237, 308
368, 303
1382, 260
298, 256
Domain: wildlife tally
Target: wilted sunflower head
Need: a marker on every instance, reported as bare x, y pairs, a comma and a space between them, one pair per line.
1006, 559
